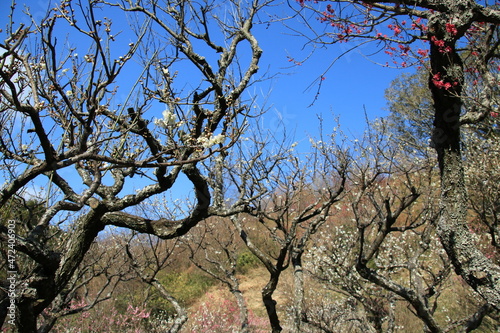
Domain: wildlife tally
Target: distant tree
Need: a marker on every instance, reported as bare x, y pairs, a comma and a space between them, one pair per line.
411, 113
452, 37
148, 255
29, 210
379, 251
216, 251
483, 183
289, 199
253, 174
104, 120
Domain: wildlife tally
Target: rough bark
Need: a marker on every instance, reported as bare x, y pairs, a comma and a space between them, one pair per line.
474, 267
242, 306
48, 283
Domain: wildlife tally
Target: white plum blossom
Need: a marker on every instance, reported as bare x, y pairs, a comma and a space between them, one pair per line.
203, 141
218, 139
211, 141
158, 122
169, 119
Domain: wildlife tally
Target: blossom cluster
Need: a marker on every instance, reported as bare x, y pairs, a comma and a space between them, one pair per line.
168, 121
207, 142
440, 83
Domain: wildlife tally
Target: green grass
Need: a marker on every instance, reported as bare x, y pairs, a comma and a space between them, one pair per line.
185, 286
246, 261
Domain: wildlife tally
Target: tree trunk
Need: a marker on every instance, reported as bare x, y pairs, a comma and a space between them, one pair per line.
477, 270
270, 303
298, 289
240, 300
274, 275
46, 283
26, 316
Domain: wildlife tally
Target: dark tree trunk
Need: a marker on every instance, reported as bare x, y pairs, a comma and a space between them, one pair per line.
52, 276
445, 83
26, 317
298, 288
270, 303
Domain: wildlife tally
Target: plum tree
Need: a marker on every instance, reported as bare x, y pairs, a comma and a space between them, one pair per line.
79, 120
453, 38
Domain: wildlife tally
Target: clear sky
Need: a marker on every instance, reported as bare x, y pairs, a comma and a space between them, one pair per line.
353, 84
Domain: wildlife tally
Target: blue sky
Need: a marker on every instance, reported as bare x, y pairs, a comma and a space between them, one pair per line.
353, 84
